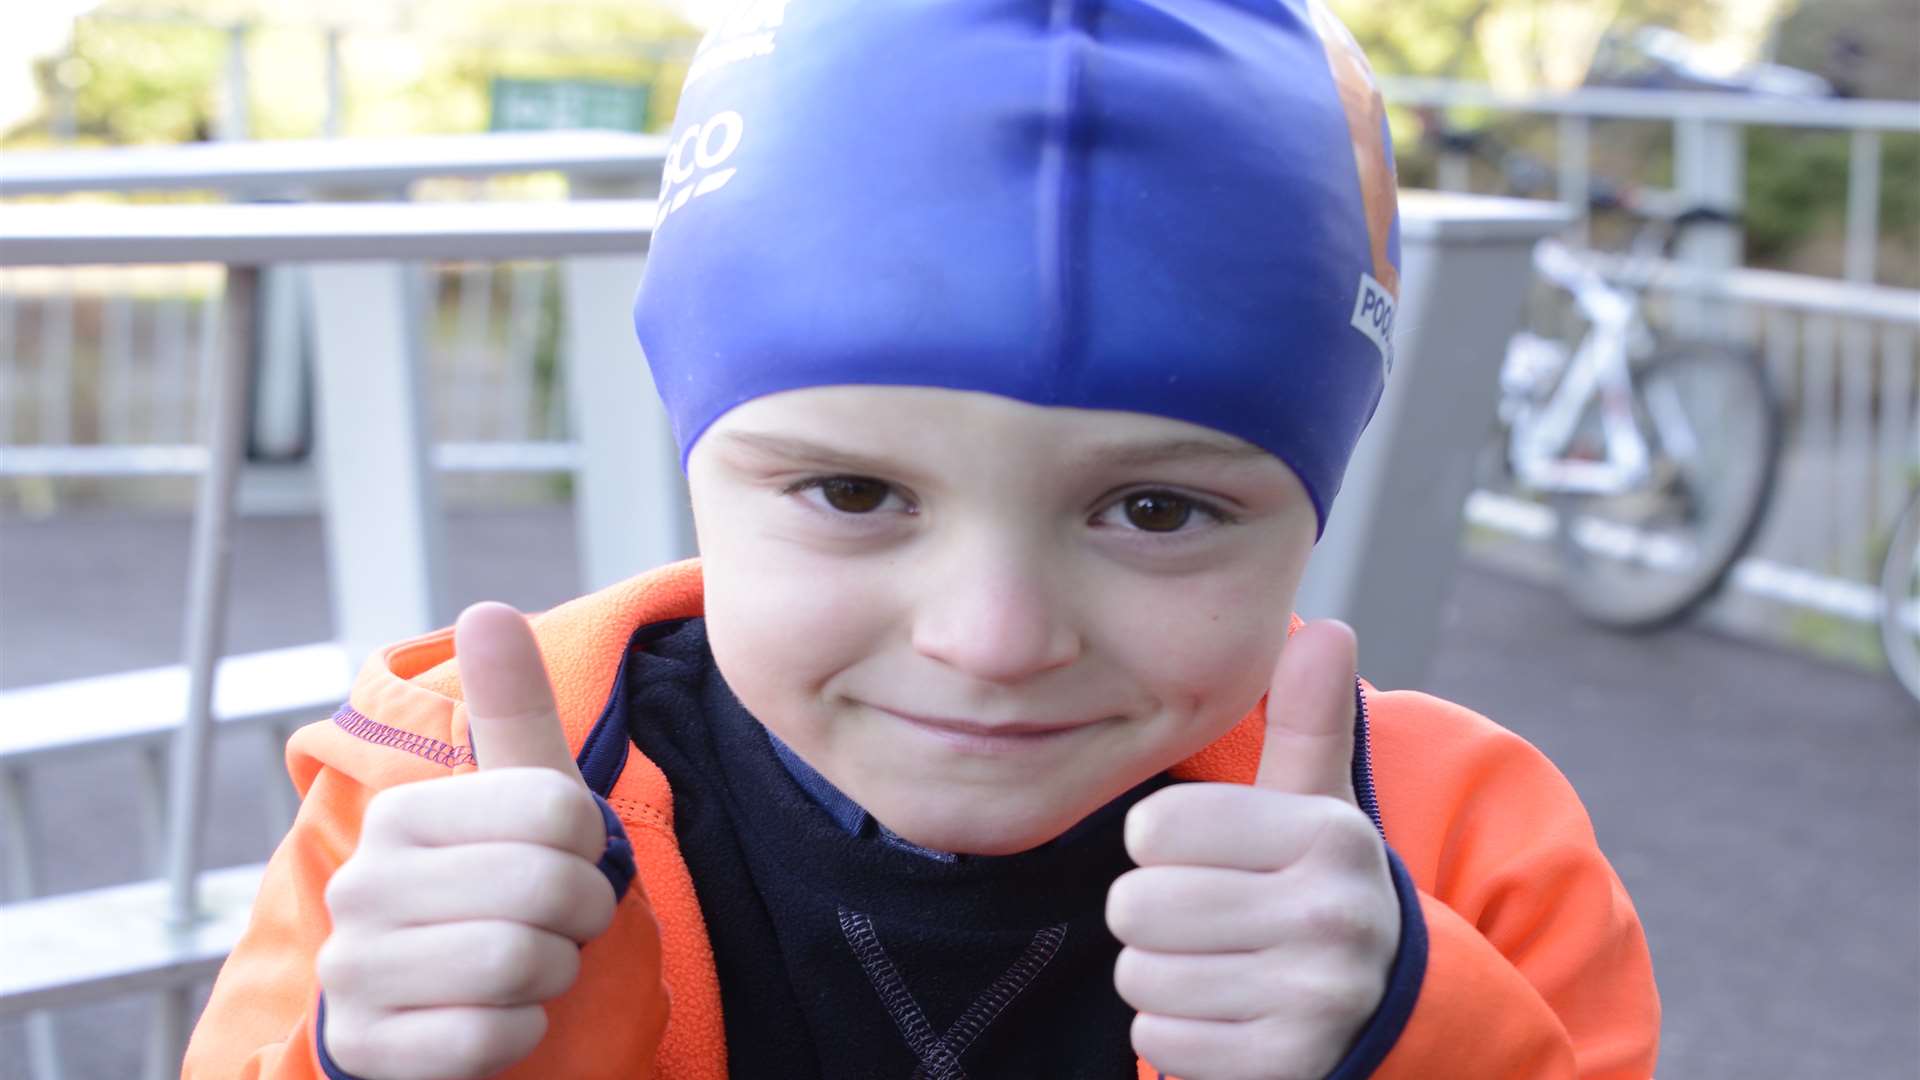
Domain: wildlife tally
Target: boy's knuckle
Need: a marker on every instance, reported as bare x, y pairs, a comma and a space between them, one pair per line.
1130, 975
1288, 1049
547, 892
1126, 907
1147, 1036
1139, 830
1155, 822
506, 961
521, 1033
593, 903
1348, 835
529, 965
1333, 919
343, 890
1348, 999
349, 1043
1288, 1060
337, 964
492, 1039
386, 810
552, 808
561, 970
474, 1046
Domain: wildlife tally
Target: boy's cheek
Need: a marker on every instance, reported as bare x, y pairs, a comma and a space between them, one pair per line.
1206, 636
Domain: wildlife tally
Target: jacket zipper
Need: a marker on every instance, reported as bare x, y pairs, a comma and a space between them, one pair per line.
1363, 790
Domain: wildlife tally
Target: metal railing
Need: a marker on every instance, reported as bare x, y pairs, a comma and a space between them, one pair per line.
1843, 359
376, 470
1708, 128
1840, 351
100, 361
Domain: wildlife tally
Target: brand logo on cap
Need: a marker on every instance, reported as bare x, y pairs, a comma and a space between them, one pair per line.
694, 164
745, 33
1373, 309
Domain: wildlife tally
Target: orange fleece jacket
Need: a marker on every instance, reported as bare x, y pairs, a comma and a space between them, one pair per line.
1537, 968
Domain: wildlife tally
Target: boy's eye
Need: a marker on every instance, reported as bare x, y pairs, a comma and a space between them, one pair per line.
1161, 512
847, 494
853, 494
1157, 511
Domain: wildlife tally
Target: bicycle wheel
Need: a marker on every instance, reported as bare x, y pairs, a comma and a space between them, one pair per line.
1900, 599
1648, 557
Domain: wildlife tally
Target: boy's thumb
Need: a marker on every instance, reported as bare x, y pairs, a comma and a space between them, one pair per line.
510, 709
1310, 714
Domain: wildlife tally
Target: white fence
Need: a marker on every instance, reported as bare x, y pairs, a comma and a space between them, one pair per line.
98, 363
172, 933
1843, 360
1840, 352
99, 369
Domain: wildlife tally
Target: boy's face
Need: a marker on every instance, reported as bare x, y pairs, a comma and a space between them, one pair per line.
983, 619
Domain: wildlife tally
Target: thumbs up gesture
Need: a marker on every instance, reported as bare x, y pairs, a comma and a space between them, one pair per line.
1260, 926
464, 905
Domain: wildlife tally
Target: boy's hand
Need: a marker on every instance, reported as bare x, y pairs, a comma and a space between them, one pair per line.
1262, 921
465, 903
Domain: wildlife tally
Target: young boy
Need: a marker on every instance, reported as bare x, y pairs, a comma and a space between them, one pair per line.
1015, 350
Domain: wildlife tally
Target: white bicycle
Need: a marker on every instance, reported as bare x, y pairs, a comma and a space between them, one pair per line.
1658, 455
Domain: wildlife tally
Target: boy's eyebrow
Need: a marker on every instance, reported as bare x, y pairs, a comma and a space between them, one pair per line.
788, 446
1120, 454
1167, 451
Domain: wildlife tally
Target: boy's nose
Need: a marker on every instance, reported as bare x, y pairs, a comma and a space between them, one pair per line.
1002, 628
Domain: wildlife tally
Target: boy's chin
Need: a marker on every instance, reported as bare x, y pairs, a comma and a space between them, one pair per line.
969, 835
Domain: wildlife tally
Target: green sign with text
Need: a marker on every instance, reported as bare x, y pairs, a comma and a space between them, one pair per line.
552, 104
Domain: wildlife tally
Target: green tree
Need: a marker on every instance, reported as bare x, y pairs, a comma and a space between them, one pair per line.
1544, 42
139, 71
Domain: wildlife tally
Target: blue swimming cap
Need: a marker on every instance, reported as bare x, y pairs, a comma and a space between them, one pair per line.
1177, 207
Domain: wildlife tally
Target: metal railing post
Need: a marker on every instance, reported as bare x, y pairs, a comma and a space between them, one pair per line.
235, 114
226, 380
1896, 416
1863, 206
16, 786
372, 433
1709, 169
628, 456
336, 114
1575, 146
9, 372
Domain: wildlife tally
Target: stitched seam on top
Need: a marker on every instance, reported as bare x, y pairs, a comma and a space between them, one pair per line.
892, 988
1011, 984
1061, 164
362, 727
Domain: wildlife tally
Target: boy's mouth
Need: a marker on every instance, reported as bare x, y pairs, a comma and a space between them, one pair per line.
985, 736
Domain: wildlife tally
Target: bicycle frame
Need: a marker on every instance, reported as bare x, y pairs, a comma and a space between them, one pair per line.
1599, 366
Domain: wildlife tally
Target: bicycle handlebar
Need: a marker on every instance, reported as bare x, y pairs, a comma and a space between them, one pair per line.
1527, 174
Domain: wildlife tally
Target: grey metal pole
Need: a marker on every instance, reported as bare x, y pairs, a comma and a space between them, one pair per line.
207, 589
336, 87
43, 1043
1863, 206
226, 379
1576, 188
235, 122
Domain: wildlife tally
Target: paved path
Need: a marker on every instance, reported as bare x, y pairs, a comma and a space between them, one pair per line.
1763, 809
